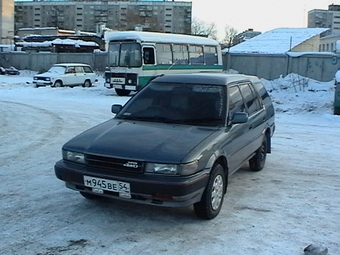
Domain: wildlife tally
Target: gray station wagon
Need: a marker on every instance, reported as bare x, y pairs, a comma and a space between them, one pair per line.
174, 143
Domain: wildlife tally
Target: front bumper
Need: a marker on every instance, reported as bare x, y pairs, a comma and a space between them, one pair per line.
42, 83
160, 190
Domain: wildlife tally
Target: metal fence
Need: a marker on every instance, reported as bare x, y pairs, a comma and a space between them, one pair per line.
321, 67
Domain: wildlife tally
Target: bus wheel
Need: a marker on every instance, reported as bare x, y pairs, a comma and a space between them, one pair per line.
122, 92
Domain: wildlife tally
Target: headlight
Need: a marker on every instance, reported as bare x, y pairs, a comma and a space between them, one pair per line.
108, 80
74, 156
172, 169
35, 78
48, 79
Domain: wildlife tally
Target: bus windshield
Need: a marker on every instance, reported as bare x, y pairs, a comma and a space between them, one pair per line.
125, 54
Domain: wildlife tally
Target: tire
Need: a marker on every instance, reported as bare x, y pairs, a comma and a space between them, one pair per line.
87, 84
89, 195
257, 162
122, 92
58, 84
212, 199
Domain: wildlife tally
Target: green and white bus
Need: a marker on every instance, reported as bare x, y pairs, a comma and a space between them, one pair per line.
134, 57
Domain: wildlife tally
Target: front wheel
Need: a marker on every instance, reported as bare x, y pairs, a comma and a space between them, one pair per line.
212, 198
257, 162
57, 84
122, 92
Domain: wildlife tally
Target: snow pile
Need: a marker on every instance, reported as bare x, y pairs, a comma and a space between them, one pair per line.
296, 94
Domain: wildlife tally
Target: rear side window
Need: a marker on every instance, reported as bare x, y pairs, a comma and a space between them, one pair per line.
250, 98
88, 69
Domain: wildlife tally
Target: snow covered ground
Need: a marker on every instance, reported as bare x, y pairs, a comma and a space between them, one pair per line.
293, 202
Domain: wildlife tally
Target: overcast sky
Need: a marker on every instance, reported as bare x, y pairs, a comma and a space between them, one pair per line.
261, 15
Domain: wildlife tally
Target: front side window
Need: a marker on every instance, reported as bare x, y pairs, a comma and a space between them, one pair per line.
79, 69
236, 103
250, 99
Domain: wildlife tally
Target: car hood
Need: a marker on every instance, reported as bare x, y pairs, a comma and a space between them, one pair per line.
149, 141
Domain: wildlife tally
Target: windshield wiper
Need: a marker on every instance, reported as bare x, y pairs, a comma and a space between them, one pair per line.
204, 121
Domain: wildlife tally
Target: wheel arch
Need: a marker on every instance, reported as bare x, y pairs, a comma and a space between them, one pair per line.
58, 80
224, 162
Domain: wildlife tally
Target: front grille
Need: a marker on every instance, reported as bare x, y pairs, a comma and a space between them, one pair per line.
42, 78
114, 164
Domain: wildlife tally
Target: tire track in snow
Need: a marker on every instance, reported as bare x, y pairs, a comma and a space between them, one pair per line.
20, 125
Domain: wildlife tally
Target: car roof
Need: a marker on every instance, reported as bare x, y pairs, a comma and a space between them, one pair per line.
70, 64
204, 78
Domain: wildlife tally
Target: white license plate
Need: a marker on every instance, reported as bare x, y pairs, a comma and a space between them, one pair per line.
99, 184
118, 80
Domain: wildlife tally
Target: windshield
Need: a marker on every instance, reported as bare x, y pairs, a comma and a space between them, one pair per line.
190, 104
125, 54
57, 69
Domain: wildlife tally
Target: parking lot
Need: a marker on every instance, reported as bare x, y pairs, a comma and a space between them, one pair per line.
293, 202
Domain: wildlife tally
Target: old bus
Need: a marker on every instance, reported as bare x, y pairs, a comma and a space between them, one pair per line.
134, 57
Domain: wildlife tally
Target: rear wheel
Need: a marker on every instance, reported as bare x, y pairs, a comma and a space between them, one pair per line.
87, 84
212, 198
257, 162
89, 195
122, 92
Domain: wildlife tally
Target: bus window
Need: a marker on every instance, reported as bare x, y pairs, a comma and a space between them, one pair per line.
181, 56
164, 55
210, 55
149, 55
196, 55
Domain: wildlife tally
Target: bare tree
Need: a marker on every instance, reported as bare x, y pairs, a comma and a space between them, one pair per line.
230, 34
202, 28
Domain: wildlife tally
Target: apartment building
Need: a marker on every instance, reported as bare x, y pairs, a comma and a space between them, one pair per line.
88, 15
325, 18
6, 21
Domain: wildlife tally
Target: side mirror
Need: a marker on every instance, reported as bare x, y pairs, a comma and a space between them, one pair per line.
239, 117
116, 108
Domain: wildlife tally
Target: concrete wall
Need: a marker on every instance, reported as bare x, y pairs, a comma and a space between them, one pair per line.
321, 67
43, 61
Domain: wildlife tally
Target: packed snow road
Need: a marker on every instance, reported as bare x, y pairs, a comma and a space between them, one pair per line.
293, 202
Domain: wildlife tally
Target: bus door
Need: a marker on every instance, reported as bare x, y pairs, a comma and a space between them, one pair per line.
149, 63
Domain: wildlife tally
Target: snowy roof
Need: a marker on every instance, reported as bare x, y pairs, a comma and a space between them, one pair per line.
276, 41
76, 43
159, 37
